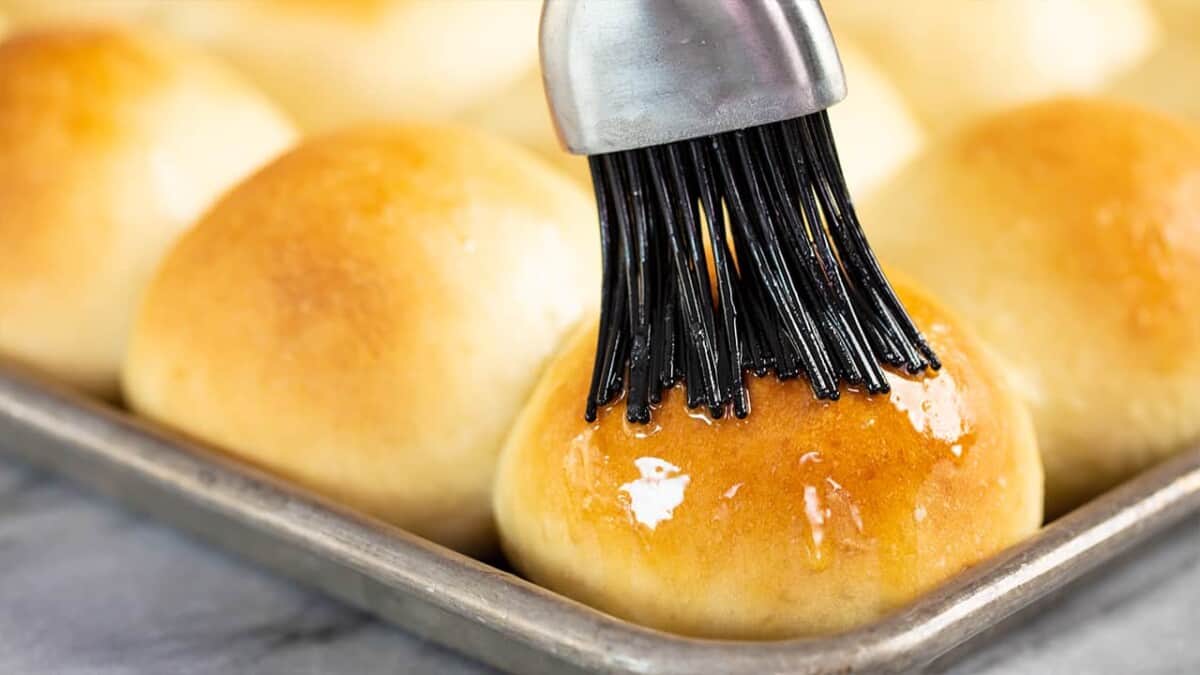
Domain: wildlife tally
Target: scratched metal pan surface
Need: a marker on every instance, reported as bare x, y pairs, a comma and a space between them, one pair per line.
503, 620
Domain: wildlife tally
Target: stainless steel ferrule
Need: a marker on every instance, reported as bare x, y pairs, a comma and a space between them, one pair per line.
625, 74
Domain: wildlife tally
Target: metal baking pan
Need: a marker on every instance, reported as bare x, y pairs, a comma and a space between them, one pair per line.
510, 623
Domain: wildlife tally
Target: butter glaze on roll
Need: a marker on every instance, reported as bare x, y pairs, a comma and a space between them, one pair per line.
366, 315
806, 518
111, 143
1068, 234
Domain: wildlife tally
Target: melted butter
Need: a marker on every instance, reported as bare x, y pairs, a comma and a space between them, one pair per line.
654, 496
641, 431
823, 503
581, 467
844, 488
873, 484
932, 404
851, 505
578, 461
816, 515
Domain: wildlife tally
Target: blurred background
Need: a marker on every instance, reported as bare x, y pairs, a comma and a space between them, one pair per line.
916, 71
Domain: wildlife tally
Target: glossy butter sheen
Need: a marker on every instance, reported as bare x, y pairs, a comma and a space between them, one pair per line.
807, 517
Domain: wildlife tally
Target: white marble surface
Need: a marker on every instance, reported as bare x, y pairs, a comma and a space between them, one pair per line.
87, 588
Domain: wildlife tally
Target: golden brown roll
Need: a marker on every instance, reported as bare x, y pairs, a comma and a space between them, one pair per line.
1068, 234
111, 143
957, 60
334, 62
807, 517
366, 315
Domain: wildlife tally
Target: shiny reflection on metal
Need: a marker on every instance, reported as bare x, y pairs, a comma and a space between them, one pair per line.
506, 621
624, 74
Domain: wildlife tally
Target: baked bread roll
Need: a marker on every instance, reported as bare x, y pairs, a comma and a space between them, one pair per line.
808, 517
876, 133
1068, 234
335, 62
957, 60
111, 143
366, 315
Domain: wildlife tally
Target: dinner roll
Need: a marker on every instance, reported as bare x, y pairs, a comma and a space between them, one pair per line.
367, 314
1068, 233
807, 517
956, 60
111, 143
333, 62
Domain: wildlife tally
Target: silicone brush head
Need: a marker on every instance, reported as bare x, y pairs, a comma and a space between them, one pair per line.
797, 289
705, 121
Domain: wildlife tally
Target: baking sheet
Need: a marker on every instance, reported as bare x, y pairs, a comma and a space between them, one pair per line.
503, 620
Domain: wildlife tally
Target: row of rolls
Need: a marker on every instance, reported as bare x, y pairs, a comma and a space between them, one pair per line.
300, 231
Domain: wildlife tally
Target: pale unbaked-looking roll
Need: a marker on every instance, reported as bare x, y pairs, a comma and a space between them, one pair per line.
112, 142
366, 315
1068, 234
808, 517
955, 60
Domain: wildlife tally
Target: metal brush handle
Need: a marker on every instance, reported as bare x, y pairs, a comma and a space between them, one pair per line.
625, 74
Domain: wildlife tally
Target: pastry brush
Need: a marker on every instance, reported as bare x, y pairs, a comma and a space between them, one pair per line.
730, 242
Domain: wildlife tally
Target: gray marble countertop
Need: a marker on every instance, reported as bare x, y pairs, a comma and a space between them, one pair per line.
88, 588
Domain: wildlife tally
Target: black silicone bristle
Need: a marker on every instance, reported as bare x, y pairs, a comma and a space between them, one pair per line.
793, 287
